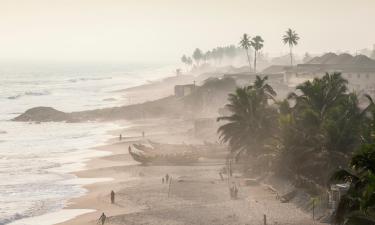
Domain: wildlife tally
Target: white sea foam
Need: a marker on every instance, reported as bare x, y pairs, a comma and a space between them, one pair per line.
36, 159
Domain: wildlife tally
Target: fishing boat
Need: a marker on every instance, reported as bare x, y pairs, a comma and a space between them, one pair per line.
160, 158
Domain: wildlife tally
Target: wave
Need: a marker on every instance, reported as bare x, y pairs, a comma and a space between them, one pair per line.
36, 93
12, 218
89, 79
29, 93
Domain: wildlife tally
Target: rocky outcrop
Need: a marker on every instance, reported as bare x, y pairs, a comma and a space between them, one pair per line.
43, 114
165, 107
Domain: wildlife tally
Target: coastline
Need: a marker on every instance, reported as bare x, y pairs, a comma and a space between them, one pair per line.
100, 168
198, 195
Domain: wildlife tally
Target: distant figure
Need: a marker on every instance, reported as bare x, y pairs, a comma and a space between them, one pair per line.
112, 197
162, 180
143, 134
221, 176
120, 138
166, 178
102, 219
233, 191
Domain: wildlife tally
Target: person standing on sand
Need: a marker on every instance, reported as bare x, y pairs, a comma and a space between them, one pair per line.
166, 178
112, 197
162, 180
143, 134
102, 219
120, 137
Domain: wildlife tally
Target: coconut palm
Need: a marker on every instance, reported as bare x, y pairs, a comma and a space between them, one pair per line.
291, 38
189, 61
197, 56
252, 119
357, 206
257, 44
184, 60
322, 128
245, 43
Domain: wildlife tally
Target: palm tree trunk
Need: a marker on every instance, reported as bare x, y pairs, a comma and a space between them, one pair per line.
248, 59
291, 56
255, 61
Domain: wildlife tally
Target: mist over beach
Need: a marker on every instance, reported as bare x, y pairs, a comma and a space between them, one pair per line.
187, 112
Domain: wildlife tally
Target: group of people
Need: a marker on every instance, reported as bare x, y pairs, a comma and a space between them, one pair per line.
103, 217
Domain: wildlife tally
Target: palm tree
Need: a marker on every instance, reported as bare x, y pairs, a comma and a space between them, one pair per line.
257, 43
189, 61
252, 120
184, 60
197, 55
357, 206
245, 43
291, 38
322, 128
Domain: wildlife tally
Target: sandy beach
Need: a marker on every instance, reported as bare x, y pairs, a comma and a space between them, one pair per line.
197, 194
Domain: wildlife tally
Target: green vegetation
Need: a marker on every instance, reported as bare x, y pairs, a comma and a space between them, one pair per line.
307, 137
197, 56
291, 38
257, 44
245, 43
252, 119
214, 56
187, 61
357, 206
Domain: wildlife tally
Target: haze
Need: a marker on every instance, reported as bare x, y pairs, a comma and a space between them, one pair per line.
163, 30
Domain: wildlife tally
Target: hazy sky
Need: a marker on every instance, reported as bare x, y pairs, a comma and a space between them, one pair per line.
162, 30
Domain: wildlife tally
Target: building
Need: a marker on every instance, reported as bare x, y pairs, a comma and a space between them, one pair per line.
358, 70
183, 90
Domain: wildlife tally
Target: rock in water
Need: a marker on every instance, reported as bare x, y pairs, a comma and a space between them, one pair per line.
43, 114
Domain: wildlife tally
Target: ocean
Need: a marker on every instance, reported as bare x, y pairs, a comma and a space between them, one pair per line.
36, 160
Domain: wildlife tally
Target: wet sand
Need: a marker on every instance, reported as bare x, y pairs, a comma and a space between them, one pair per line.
197, 195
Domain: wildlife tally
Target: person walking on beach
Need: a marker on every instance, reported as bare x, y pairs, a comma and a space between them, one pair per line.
112, 197
162, 180
143, 134
120, 137
102, 219
166, 178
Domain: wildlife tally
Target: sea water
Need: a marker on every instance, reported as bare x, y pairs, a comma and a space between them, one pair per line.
36, 159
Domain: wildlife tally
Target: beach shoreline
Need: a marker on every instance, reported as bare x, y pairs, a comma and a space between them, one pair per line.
198, 195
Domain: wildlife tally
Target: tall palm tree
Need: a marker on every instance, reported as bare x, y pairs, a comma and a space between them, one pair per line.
322, 128
184, 60
257, 43
245, 43
197, 56
291, 38
252, 119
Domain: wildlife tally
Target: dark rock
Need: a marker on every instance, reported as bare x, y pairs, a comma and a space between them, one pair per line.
43, 114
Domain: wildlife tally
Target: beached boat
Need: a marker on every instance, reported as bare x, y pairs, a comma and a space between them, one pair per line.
160, 158
160, 153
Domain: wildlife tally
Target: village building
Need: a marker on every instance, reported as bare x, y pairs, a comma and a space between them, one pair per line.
358, 70
183, 90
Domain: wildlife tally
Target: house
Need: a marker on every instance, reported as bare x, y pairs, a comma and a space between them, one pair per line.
184, 90
358, 70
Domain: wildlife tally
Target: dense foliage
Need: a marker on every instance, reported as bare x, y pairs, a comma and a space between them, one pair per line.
357, 206
252, 120
314, 132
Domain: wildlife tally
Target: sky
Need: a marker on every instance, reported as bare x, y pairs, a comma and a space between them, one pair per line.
163, 30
